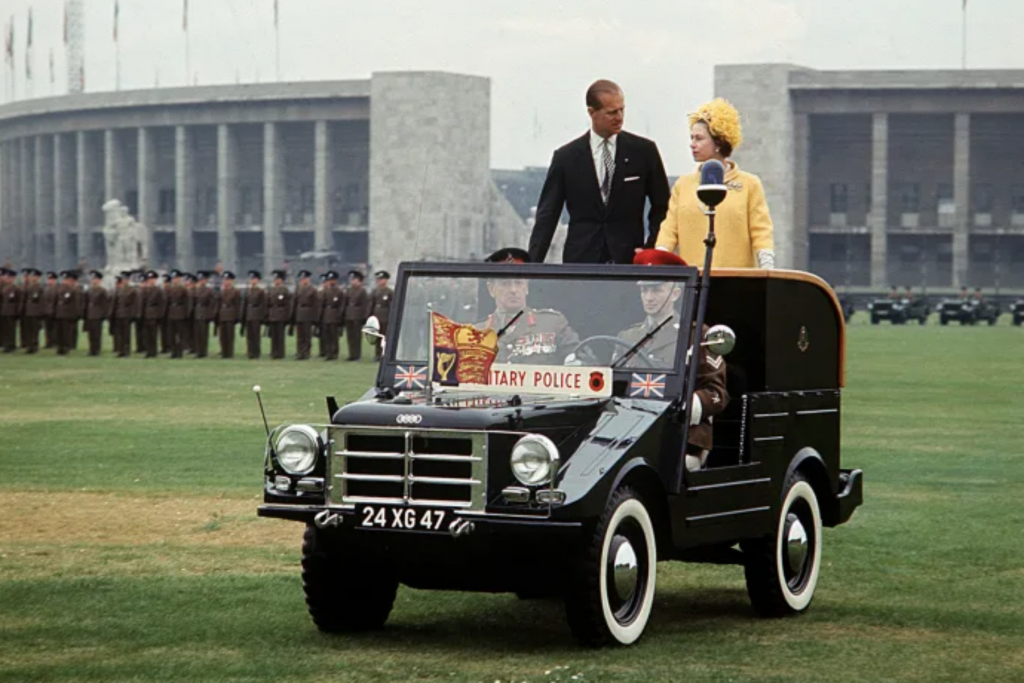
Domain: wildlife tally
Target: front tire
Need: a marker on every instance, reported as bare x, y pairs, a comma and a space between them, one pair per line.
344, 594
782, 571
611, 591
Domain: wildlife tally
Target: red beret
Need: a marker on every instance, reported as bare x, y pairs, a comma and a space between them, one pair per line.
657, 257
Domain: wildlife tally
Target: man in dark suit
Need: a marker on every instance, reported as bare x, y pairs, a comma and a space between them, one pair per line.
605, 178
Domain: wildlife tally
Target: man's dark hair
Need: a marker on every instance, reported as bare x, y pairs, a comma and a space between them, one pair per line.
598, 88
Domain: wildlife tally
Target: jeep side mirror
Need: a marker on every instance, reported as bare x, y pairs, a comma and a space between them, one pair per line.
719, 340
371, 329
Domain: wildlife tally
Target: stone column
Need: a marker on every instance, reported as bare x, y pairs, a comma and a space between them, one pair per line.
961, 194
227, 196
28, 206
46, 214
148, 192
113, 185
61, 194
879, 215
10, 231
273, 197
323, 173
801, 193
184, 192
84, 199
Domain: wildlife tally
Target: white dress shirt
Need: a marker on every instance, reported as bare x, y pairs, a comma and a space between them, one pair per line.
597, 151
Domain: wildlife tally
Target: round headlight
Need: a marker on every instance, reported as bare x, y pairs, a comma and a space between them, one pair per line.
296, 448
533, 459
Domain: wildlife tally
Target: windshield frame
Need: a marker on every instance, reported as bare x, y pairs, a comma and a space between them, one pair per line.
687, 277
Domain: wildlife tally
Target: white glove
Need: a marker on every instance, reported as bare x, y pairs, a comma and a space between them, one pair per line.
663, 249
572, 360
766, 259
696, 412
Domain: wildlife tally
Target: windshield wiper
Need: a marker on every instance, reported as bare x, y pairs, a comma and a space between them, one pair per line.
643, 340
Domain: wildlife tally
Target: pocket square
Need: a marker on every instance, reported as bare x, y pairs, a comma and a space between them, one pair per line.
631, 179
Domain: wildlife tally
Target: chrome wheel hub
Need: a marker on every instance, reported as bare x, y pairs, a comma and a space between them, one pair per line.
796, 546
624, 568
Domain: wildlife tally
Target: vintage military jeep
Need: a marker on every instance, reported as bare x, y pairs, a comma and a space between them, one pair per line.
968, 311
569, 481
899, 311
1017, 309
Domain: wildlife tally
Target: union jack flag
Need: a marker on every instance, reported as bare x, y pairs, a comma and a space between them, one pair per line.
647, 386
410, 376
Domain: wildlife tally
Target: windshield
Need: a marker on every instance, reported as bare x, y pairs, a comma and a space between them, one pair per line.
561, 320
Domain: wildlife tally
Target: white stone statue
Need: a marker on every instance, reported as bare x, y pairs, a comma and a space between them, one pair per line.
126, 248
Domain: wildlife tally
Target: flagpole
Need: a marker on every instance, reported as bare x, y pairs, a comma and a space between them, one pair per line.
963, 36
277, 41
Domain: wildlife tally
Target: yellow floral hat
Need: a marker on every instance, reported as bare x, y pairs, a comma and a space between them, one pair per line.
722, 120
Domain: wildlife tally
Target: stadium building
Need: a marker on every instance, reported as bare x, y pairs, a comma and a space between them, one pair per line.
888, 177
391, 168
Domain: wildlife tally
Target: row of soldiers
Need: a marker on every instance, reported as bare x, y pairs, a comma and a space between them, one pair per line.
175, 316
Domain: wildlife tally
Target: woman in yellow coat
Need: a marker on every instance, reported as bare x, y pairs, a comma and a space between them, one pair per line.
742, 222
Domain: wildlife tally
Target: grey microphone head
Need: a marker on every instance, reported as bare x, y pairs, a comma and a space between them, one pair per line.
712, 190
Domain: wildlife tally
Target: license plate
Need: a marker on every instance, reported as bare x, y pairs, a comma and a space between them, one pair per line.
403, 518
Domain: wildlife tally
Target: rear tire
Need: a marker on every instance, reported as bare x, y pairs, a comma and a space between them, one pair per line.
611, 590
344, 594
782, 570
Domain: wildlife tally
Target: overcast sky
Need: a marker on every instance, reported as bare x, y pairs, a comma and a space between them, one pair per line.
539, 54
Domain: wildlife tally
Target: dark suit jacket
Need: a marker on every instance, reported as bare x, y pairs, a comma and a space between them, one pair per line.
597, 230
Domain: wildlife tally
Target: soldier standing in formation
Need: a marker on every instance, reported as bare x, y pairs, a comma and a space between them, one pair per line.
34, 310
204, 308
279, 313
380, 306
228, 313
154, 305
178, 314
332, 315
10, 310
126, 306
253, 314
165, 324
49, 305
306, 315
188, 338
67, 312
96, 311
356, 313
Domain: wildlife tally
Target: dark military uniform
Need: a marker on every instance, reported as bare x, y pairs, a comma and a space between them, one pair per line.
228, 313
67, 311
356, 313
539, 337
204, 300
253, 315
50, 306
306, 314
126, 304
153, 309
380, 306
98, 304
34, 313
332, 317
165, 324
279, 315
661, 348
11, 310
179, 314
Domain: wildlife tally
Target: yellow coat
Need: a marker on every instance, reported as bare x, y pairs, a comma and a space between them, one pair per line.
743, 225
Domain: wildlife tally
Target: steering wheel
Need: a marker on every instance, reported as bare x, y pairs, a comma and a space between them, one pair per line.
647, 361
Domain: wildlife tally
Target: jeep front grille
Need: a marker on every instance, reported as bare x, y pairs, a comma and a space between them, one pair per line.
432, 468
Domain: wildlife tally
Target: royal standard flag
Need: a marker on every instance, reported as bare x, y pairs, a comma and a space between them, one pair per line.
460, 354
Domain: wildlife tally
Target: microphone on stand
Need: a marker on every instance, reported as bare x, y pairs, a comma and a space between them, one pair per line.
712, 190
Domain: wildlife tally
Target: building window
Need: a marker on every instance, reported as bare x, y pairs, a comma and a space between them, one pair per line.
168, 202
1017, 198
838, 197
944, 192
910, 198
867, 197
983, 198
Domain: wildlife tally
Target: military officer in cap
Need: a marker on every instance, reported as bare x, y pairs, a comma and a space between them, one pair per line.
34, 312
280, 305
10, 310
125, 310
228, 313
539, 337
357, 310
67, 311
254, 312
49, 305
380, 306
98, 303
165, 283
153, 310
135, 279
306, 315
332, 315
179, 314
205, 304
189, 344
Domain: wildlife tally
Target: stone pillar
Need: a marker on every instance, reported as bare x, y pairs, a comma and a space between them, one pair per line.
878, 218
801, 193
84, 176
9, 236
61, 194
184, 192
148, 192
113, 185
273, 197
46, 214
227, 196
323, 174
961, 194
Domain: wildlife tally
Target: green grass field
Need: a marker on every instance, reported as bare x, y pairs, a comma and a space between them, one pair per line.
130, 549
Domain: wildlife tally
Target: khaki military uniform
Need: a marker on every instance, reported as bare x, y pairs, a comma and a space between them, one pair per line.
67, 311
179, 316
153, 302
253, 314
204, 311
380, 306
539, 337
332, 317
10, 310
228, 313
306, 314
126, 304
50, 305
356, 313
98, 305
280, 303
34, 313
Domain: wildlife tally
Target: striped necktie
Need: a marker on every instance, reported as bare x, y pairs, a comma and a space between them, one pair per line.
609, 170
